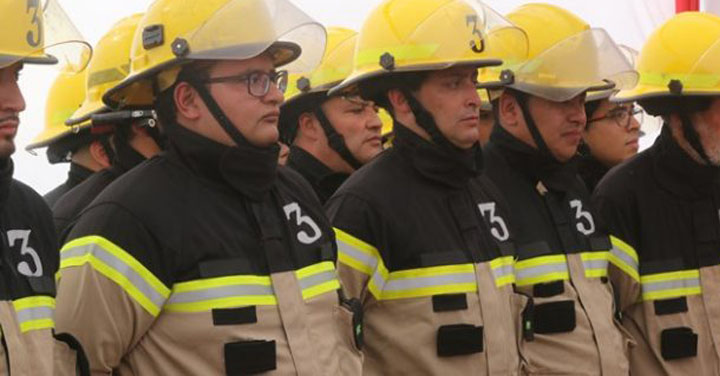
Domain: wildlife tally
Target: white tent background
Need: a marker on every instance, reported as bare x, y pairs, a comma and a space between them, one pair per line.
628, 21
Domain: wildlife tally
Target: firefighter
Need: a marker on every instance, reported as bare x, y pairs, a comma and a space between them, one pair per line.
330, 137
77, 146
414, 246
28, 245
210, 259
611, 134
128, 138
561, 255
661, 207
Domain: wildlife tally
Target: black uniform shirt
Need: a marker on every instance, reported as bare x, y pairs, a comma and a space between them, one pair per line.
323, 180
76, 175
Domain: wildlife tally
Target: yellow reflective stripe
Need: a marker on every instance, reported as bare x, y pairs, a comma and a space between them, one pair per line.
355, 253
422, 282
35, 313
541, 269
119, 266
245, 290
399, 52
317, 279
624, 257
221, 292
595, 263
503, 270
689, 81
670, 285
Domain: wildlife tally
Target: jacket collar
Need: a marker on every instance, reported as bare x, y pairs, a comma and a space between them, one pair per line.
6, 177
249, 170
678, 173
532, 164
448, 167
323, 180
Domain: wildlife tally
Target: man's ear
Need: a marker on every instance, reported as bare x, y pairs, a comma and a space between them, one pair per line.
509, 111
98, 153
187, 101
309, 126
398, 101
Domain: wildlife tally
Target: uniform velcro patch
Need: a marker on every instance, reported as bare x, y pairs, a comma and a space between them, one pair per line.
459, 339
449, 302
555, 317
234, 316
678, 343
249, 357
546, 290
670, 306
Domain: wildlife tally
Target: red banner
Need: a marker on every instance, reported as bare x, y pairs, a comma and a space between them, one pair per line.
686, 5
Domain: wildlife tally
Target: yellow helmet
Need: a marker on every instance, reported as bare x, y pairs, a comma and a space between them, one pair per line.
416, 35
64, 98
39, 32
109, 65
174, 32
681, 57
334, 67
566, 57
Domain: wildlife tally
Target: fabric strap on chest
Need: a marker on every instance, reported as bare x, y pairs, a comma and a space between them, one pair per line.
285, 285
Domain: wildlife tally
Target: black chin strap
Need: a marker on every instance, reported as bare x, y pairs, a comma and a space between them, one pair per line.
692, 137
219, 115
522, 100
427, 122
336, 140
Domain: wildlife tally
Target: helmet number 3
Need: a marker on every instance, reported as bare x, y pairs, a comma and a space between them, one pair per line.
478, 42
300, 219
498, 228
585, 223
25, 267
34, 37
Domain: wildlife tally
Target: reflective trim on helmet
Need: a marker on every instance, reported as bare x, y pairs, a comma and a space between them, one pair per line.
624, 257
35, 312
541, 269
119, 266
670, 285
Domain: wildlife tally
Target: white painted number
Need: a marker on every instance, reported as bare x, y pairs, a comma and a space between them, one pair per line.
24, 267
585, 228
497, 225
301, 219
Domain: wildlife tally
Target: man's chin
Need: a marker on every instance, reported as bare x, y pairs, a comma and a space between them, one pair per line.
7, 148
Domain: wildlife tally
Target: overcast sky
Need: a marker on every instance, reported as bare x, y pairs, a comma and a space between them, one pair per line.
628, 21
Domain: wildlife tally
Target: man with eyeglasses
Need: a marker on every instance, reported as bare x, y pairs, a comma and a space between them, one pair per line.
661, 207
330, 136
610, 136
210, 259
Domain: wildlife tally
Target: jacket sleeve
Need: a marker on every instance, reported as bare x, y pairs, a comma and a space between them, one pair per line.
356, 226
113, 282
618, 220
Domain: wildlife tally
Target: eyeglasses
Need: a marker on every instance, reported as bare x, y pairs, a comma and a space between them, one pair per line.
258, 83
622, 116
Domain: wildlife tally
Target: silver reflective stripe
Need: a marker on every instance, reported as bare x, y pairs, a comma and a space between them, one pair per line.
503, 270
317, 279
670, 285
35, 313
540, 270
626, 258
595, 264
363, 257
421, 282
118, 265
220, 292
